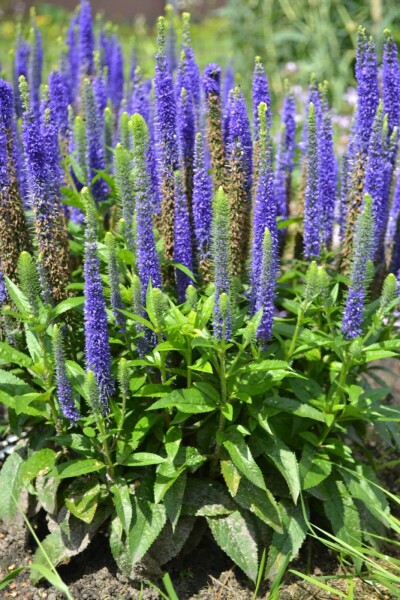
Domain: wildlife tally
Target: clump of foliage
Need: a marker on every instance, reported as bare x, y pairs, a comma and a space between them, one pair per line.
186, 337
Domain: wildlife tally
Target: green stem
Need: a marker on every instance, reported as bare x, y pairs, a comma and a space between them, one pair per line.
189, 364
296, 332
224, 398
163, 359
106, 450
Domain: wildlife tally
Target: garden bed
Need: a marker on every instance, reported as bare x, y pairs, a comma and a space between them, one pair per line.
205, 574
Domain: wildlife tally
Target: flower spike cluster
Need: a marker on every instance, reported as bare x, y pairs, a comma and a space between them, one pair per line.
97, 350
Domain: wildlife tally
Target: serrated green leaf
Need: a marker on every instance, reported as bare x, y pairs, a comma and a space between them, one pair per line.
17, 296
123, 504
285, 461
343, 515
231, 476
13, 356
13, 385
173, 499
143, 459
259, 502
166, 475
81, 498
296, 408
373, 498
314, 467
284, 546
10, 485
206, 498
240, 454
147, 522
236, 535
189, 401
75, 468
38, 463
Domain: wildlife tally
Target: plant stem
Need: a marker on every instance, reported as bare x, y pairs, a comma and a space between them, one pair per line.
224, 398
296, 332
189, 364
106, 450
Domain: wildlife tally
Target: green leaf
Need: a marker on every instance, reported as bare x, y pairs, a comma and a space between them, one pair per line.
123, 504
296, 408
166, 475
260, 502
53, 578
17, 296
373, 498
68, 304
173, 499
371, 355
7, 400
38, 463
207, 498
10, 577
147, 522
268, 365
285, 461
81, 498
13, 385
143, 459
236, 535
13, 356
343, 515
184, 269
77, 467
314, 467
284, 546
240, 454
189, 401
10, 485
231, 476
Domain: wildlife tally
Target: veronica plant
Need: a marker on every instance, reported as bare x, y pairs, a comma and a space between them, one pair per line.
238, 390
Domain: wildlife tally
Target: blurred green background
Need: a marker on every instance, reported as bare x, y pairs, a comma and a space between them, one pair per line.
293, 37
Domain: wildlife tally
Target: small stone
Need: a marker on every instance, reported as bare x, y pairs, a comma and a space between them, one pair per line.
11, 567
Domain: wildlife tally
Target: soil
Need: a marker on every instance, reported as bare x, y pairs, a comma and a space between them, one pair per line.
204, 574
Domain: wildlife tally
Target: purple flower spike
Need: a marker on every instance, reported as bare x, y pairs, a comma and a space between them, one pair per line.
368, 90
64, 389
116, 75
327, 172
239, 131
147, 262
260, 93
311, 203
86, 39
374, 183
35, 66
20, 68
264, 212
363, 253
73, 57
202, 207
221, 259
183, 238
391, 81
95, 141
192, 75
166, 137
58, 101
266, 287
284, 159
97, 350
